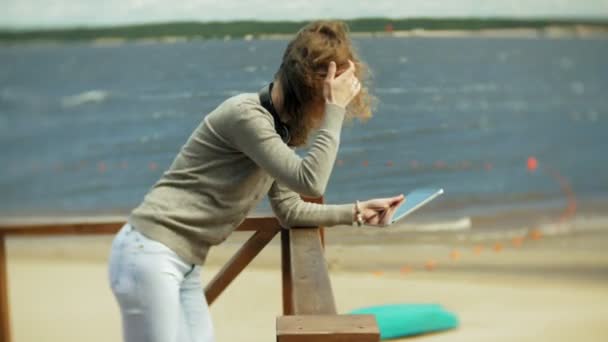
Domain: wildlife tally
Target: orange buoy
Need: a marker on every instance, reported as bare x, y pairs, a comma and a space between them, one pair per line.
440, 164
497, 247
101, 167
478, 249
532, 164
518, 241
406, 269
378, 273
430, 265
455, 254
536, 234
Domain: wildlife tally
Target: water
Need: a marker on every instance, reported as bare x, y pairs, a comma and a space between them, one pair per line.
87, 128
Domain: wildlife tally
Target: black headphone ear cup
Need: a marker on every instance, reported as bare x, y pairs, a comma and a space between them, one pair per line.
266, 102
285, 134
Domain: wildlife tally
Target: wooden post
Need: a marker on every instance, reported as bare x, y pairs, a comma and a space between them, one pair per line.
308, 299
312, 293
318, 200
5, 323
286, 273
322, 236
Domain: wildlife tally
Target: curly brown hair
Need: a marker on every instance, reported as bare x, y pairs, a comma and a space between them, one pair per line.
303, 70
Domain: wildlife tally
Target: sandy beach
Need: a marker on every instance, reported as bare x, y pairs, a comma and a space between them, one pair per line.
552, 288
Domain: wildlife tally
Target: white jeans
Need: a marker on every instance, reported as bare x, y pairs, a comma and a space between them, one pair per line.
160, 296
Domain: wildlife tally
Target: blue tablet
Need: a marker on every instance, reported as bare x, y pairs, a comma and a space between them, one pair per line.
415, 200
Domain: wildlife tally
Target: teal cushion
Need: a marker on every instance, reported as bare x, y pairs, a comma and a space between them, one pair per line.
399, 320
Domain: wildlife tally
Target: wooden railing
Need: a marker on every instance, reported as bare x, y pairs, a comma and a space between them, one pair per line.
309, 309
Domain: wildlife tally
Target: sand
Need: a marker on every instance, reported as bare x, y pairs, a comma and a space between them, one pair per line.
551, 289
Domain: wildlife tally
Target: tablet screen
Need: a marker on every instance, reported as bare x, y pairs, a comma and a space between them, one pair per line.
415, 200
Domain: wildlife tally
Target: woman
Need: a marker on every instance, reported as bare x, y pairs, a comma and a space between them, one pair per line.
240, 151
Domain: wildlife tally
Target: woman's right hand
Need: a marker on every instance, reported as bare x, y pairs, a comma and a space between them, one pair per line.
379, 211
342, 89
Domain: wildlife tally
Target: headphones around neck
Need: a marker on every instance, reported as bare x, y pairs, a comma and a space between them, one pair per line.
266, 102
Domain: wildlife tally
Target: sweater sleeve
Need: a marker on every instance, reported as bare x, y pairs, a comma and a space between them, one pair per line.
292, 211
254, 134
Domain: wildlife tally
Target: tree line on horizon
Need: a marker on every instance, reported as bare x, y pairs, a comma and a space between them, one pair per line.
238, 29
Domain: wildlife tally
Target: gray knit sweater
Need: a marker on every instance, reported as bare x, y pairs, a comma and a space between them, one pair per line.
231, 160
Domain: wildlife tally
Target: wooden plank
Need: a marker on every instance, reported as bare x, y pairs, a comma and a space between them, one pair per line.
257, 223
322, 237
318, 200
61, 225
63, 229
286, 273
42, 221
5, 323
327, 328
237, 263
312, 293
80, 225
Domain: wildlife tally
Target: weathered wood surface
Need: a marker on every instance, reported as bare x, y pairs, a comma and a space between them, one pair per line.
5, 324
327, 328
286, 274
312, 292
100, 225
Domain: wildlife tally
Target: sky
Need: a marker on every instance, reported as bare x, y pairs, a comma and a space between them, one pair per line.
67, 13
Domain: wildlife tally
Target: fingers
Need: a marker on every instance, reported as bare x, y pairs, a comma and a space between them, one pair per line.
331, 71
393, 201
373, 219
384, 203
356, 85
390, 213
397, 200
348, 72
379, 204
369, 215
384, 216
351, 66
379, 211
340, 87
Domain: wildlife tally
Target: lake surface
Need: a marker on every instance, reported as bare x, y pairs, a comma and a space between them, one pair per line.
87, 128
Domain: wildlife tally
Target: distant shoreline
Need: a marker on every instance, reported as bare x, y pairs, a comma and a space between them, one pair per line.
520, 33
362, 28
